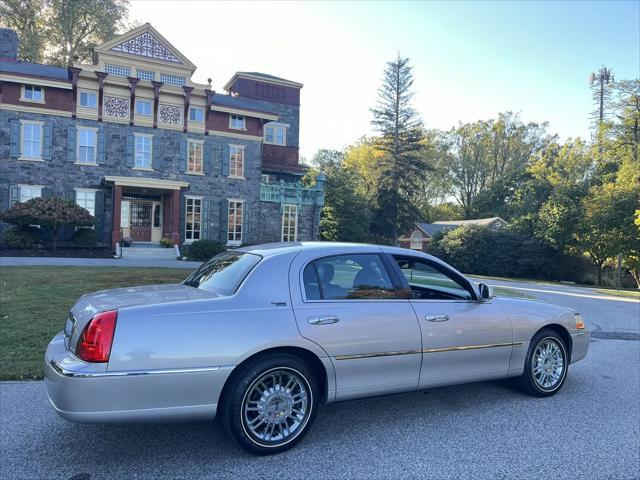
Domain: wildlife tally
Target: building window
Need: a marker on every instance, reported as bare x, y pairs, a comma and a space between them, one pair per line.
289, 223
32, 93
143, 107
171, 79
88, 99
196, 114
194, 160
192, 226
31, 140
117, 70
87, 138
265, 178
143, 152
146, 75
27, 192
236, 161
275, 134
237, 122
416, 240
234, 225
86, 199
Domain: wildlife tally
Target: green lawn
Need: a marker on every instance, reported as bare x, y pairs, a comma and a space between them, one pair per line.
620, 293
34, 302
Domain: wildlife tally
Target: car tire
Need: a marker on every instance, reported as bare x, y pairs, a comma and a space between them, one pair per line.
270, 404
546, 365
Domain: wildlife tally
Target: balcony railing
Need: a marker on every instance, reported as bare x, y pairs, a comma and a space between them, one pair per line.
292, 193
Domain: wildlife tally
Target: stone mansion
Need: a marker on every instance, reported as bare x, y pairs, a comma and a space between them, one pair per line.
150, 153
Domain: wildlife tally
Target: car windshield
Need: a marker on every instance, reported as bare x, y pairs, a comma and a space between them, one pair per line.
224, 273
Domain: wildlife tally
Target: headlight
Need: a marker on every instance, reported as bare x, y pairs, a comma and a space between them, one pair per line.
579, 321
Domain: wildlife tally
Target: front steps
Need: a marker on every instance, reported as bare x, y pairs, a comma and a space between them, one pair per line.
148, 251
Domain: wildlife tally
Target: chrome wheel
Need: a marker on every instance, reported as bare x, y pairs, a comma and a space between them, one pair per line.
276, 407
548, 364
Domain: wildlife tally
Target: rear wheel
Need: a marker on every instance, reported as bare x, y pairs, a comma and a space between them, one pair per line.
270, 404
546, 365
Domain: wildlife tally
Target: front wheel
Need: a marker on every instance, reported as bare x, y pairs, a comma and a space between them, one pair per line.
546, 365
270, 404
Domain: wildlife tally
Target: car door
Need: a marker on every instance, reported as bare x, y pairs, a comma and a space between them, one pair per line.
351, 306
463, 339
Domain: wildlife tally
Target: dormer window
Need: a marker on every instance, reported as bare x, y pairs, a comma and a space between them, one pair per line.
275, 134
196, 114
32, 93
117, 70
237, 122
172, 79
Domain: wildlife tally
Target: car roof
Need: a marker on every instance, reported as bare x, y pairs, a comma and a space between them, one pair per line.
270, 249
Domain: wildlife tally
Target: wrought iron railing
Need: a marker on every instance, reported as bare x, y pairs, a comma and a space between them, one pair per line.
292, 193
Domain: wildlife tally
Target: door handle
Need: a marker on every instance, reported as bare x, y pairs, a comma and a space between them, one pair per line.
323, 319
436, 318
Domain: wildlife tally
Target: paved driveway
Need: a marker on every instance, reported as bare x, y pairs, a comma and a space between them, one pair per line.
589, 430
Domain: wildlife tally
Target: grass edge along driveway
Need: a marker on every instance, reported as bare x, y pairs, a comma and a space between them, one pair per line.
35, 301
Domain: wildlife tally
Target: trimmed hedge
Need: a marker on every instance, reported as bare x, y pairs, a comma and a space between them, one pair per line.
505, 252
202, 250
84, 237
21, 236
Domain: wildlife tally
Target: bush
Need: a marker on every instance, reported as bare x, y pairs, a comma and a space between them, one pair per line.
503, 253
202, 250
84, 237
22, 236
166, 242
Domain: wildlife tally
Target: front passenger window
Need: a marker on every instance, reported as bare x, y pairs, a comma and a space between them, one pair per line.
348, 277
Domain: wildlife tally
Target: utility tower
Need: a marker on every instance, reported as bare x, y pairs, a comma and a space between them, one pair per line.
601, 80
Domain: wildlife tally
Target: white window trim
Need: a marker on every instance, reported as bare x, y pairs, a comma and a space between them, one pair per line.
41, 125
93, 92
240, 177
95, 150
244, 122
235, 243
23, 97
87, 190
295, 231
201, 142
284, 127
194, 197
135, 142
198, 108
135, 107
21, 186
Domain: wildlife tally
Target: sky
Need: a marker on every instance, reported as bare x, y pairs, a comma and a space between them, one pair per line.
471, 59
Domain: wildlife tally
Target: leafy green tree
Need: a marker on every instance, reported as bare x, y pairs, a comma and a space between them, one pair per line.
346, 213
58, 31
400, 140
52, 212
27, 18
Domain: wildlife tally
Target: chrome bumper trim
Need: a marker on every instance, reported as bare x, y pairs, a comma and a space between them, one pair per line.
69, 373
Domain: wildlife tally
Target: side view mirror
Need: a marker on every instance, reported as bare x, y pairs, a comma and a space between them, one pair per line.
486, 292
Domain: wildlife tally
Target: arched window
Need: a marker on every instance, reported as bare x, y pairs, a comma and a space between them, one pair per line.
416, 240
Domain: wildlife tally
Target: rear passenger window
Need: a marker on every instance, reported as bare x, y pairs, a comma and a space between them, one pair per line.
348, 277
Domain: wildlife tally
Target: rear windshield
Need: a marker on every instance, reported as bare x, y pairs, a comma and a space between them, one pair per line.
224, 273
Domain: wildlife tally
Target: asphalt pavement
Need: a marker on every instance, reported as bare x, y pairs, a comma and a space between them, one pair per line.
591, 429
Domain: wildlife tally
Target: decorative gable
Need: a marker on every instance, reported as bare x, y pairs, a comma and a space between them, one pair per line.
146, 45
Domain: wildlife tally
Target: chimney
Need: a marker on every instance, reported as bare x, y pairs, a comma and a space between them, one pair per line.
8, 44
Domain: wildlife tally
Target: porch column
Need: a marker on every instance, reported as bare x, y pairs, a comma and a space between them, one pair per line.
175, 217
117, 209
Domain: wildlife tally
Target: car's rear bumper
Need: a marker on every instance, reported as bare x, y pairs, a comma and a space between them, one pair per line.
86, 392
580, 345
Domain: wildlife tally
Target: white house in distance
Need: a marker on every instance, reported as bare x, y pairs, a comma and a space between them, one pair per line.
422, 233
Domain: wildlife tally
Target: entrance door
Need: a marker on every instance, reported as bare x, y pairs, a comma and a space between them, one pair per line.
141, 221
156, 223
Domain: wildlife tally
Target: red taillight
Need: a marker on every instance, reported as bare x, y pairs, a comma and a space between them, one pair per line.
94, 344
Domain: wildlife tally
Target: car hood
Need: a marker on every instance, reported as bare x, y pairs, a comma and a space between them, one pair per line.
88, 305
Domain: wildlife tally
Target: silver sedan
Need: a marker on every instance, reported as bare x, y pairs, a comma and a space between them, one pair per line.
263, 335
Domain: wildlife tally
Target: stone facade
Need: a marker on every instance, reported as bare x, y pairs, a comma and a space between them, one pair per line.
113, 176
